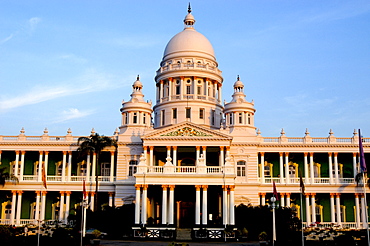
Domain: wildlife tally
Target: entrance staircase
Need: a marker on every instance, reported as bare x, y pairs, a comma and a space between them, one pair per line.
183, 234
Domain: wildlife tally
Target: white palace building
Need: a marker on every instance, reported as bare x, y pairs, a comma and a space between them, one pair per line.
188, 160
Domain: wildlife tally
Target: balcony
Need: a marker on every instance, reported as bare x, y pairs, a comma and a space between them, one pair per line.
324, 181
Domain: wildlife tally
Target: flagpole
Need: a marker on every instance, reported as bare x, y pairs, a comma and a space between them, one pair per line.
301, 212
366, 212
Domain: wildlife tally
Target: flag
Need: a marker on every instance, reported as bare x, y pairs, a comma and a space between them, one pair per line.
274, 191
301, 183
43, 174
362, 154
84, 189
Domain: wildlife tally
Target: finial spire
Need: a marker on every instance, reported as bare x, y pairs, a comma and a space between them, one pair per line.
138, 77
238, 78
189, 8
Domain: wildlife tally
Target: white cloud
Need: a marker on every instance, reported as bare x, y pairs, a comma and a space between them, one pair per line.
91, 81
73, 113
6, 39
33, 23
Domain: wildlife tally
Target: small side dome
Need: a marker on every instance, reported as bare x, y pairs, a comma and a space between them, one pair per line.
137, 83
238, 83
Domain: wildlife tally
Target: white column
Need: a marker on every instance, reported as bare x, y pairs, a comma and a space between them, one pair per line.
160, 90
61, 206
171, 205
288, 200
332, 208
281, 168
92, 201
197, 154
19, 208
282, 199
262, 168
354, 165
111, 174
16, 165
144, 205
174, 154
68, 202
137, 204
22, 166
204, 205
330, 168
336, 168
219, 94
169, 151
110, 202
313, 208
337, 201
222, 157
224, 205
263, 199
39, 176
204, 152
88, 168
169, 89
37, 212
64, 165
43, 204
232, 206
197, 204
164, 204
287, 178
308, 217
69, 167
363, 212
14, 202
306, 179
46, 163
151, 148
312, 173
358, 217
93, 171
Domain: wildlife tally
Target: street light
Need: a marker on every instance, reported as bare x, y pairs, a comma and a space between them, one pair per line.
273, 200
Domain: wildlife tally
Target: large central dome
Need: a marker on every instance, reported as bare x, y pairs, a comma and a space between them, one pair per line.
189, 42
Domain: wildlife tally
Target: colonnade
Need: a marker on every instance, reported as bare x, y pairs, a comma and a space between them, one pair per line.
172, 152
40, 205
168, 205
336, 210
166, 90
19, 165
309, 170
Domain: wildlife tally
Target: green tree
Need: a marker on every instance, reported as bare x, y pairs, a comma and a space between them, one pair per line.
95, 144
5, 176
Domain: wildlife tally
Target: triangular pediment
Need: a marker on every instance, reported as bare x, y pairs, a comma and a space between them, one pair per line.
186, 130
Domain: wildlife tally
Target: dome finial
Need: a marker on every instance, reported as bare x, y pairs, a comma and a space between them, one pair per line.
189, 8
238, 78
138, 77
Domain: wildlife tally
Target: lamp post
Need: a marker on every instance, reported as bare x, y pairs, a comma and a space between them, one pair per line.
273, 200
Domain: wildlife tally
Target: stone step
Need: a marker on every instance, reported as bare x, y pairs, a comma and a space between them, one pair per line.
183, 234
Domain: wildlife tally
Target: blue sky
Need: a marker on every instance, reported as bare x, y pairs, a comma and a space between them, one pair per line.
69, 64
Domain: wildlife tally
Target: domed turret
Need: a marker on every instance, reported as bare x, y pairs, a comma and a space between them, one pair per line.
136, 112
239, 112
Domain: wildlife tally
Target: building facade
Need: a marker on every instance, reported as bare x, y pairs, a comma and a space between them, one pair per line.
187, 160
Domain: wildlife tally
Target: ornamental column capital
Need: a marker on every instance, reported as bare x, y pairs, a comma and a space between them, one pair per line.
197, 187
20, 192
68, 193
137, 186
204, 187
44, 192
62, 192
172, 187
37, 192
164, 187
145, 187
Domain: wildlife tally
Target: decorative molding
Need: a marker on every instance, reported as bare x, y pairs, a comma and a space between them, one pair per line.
188, 132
